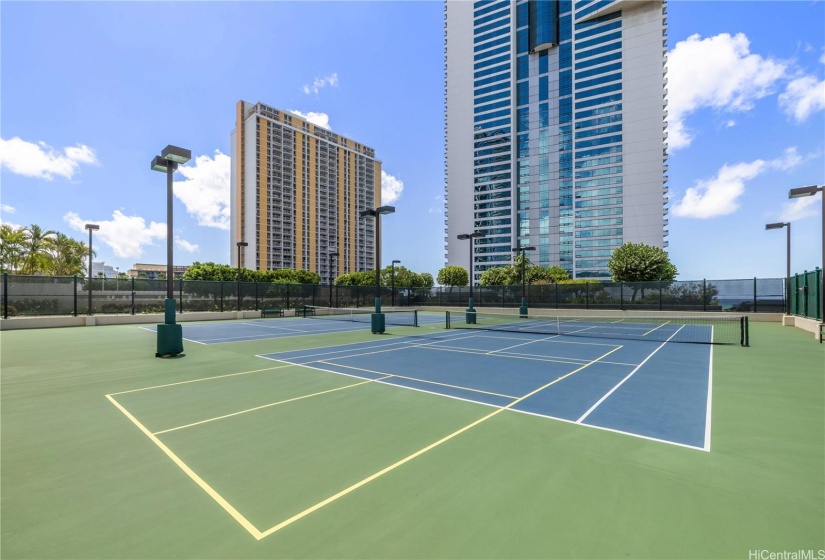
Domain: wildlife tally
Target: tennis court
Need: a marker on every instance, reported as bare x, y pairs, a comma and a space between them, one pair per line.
426, 442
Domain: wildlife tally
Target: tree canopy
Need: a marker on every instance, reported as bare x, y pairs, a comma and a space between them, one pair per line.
404, 278
638, 262
453, 276
214, 272
533, 274
31, 250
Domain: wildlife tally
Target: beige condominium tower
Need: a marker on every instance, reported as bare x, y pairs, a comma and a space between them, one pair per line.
296, 193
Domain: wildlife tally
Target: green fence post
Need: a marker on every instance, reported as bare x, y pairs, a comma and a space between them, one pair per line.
805, 292
221, 296
75, 296
621, 296
133, 295
256, 294
817, 299
180, 294
586, 295
660, 295
6, 295
704, 294
287, 295
754, 294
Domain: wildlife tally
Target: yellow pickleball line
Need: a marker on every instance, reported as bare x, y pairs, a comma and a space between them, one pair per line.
409, 458
185, 468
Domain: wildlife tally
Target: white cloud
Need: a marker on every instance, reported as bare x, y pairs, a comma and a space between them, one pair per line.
41, 160
318, 119
125, 235
7, 209
799, 208
730, 124
391, 188
720, 194
718, 72
186, 246
439, 206
320, 83
803, 97
205, 192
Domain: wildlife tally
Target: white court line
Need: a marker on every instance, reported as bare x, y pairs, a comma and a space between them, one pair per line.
263, 326
184, 338
619, 384
522, 344
710, 394
417, 379
199, 380
268, 405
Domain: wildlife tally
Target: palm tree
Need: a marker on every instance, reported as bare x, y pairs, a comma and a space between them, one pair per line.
12, 242
67, 255
36, 257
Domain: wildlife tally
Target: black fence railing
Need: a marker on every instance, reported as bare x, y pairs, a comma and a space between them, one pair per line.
806, 294
50, 295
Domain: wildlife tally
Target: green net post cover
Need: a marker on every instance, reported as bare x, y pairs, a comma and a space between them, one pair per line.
170, 340
378, 323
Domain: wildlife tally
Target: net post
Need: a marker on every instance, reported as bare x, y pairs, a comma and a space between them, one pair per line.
447, 324
743, 328
415, 317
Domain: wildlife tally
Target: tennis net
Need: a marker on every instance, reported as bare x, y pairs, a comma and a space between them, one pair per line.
702, 330
393, 316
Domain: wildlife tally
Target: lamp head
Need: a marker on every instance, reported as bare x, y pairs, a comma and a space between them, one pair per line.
368, 214
175, 154
777, 225
804, 191
385, 210
464, 236
160, 164
92, 227
242, 244
396, 262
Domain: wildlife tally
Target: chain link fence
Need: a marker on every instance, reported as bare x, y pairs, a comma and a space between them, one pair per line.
49, 295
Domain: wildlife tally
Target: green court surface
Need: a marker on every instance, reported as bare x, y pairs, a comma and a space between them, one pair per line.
277, 460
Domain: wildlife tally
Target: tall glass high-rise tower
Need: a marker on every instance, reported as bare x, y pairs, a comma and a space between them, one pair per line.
555, 130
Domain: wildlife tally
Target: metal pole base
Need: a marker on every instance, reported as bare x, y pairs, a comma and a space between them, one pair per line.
470, 317
378, 323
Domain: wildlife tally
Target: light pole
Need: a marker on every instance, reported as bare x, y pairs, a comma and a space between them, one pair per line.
811, 191
471, 312
91, 228
392, 280
377, 317
522, 311
780, 225
170, 335
117, 278
240, 244
332, 254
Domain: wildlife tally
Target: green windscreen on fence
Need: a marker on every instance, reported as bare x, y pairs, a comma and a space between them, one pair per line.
806, 294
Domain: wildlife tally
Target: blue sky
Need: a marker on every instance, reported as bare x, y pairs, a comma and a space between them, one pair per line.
90, 92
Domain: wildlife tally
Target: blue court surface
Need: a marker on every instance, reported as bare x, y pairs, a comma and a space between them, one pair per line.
653, 390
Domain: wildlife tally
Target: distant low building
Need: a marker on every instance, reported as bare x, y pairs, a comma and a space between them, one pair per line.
102, 269
154, 271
